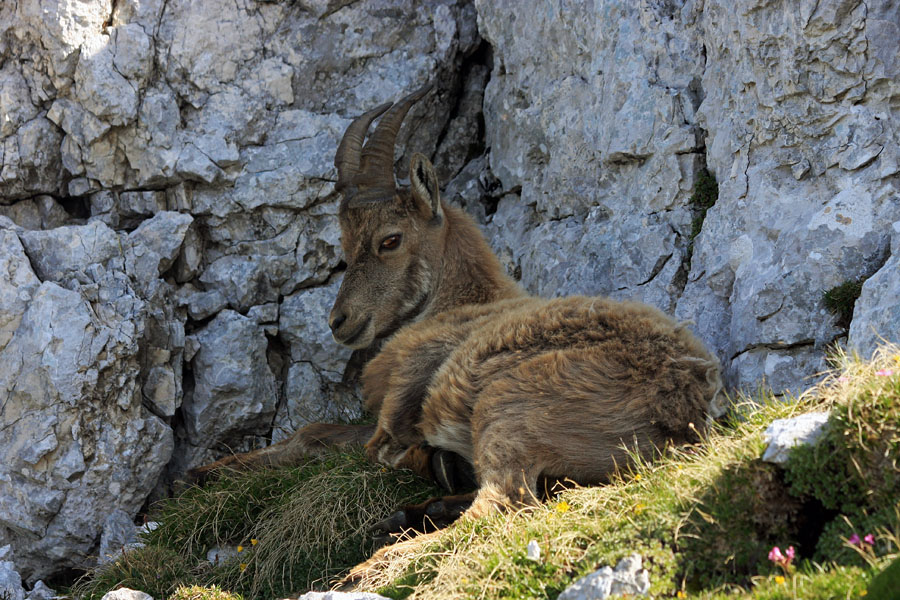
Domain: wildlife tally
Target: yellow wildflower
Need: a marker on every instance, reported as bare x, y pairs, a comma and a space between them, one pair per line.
562, 506
681, 594
240, 548
779, 579
639, 508
243, 566
638, 477
253, 541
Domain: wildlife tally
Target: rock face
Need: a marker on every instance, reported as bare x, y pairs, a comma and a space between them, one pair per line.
169, 248
792, 106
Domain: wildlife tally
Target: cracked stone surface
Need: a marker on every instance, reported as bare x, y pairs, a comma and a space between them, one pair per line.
169, 249
168, 233
791, 105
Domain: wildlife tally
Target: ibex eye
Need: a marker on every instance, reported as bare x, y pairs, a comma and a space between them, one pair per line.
391, 242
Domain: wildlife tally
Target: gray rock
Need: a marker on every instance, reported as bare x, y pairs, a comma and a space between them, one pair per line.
219, 556
627, 579
784, 434
597, 146
71, 401
157, 242
341, 596
533, 551
876, 315
126, 594
314, 387
17, 284
119, 532
40, 591
41, 212
234, 390
10, 581
66, 254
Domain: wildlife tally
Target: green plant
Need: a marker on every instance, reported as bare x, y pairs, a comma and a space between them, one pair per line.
704, 196
841, 299
294, 527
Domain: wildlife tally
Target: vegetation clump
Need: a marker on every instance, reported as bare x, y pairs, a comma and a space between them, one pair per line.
841, 299
290, 528
704, 196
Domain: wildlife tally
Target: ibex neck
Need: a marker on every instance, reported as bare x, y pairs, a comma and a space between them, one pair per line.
471, 272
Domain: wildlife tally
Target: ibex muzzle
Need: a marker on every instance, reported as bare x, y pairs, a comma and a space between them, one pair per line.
391, 237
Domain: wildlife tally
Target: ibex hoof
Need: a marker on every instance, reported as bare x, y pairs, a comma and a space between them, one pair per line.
428, 516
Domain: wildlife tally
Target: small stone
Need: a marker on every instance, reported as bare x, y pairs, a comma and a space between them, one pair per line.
628, 578
533, 551
341, 596
126, 594
40, 591
219, 556
784, 434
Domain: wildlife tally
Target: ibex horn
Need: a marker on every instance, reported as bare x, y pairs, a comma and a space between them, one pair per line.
348, 153
377, 160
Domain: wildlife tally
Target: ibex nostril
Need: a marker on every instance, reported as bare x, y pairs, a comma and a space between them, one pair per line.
337, 321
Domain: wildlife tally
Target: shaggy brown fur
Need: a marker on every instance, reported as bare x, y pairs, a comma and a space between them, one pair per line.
529, 387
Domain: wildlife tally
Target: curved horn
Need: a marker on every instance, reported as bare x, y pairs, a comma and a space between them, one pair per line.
377, 161
348, 153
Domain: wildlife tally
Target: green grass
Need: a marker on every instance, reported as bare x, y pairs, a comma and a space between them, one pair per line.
703, 518
297, 527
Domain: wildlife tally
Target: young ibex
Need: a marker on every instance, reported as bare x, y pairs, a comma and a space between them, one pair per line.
522, 387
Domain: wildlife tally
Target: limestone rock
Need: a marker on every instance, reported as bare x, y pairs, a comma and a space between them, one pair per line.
314, 387
877, 313
234, 390
627, 579
533, 551
41, 212
119, 532
40, 591
784, 434
597, 146
10, 581
126, 594
341, 596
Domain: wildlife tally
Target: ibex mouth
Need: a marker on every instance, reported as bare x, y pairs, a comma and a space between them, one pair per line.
355, 334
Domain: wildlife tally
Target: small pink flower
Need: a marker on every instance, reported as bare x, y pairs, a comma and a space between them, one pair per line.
885, 372
853, 540
775, 555
789, 554
869, 539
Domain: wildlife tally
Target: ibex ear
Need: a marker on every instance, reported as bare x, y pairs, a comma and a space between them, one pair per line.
424, 186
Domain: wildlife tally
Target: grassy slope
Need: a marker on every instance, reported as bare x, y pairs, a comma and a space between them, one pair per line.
702, 518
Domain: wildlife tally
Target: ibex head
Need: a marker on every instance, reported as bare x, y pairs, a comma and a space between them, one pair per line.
392, 237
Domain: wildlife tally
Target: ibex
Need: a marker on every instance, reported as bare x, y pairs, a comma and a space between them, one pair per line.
521, 387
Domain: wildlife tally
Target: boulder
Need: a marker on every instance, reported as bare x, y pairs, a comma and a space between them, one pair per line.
784, 434
627, 579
